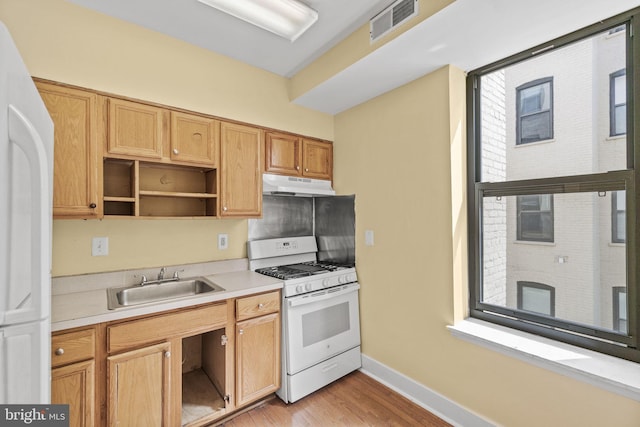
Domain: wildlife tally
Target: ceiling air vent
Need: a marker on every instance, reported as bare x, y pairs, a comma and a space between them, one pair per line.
392, 17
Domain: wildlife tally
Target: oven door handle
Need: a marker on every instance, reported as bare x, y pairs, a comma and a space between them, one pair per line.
323, 295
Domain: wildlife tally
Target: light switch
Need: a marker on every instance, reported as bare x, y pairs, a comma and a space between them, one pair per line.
100, 246
368, 237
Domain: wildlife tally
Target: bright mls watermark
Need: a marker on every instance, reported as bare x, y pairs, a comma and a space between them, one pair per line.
34, 415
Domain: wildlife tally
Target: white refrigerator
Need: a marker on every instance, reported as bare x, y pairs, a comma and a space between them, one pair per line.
26, 196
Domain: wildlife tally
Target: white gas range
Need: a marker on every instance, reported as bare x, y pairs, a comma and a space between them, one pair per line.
320, 314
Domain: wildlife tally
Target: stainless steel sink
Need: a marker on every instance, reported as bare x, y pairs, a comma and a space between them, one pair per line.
151, 292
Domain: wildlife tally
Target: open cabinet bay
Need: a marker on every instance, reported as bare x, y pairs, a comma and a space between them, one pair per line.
146, 189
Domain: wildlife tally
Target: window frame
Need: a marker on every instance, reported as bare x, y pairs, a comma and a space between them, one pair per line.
591, 337
519, 116
612, 101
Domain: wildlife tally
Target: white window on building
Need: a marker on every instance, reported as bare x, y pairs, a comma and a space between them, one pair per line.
618, 217
534, 101
618, 103
620, 309
537, 298
535, 217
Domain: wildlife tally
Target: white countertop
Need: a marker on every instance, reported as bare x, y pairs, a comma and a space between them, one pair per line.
76, 309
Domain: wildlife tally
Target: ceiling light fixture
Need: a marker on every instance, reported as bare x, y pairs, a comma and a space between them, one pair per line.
286, 18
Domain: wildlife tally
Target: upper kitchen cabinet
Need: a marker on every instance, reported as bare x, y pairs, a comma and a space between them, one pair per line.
282, 154
77, 167
294, 156
317, 159
240, 170
194, 139
136, 129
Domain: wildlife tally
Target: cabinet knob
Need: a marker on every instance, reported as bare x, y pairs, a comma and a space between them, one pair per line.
175, 151
297, 168
93, 205
224, 208
59, 351
241, 332
306, 170
167, 354
260, 306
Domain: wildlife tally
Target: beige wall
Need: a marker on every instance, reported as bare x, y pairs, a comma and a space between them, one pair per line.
402, 154
64, 42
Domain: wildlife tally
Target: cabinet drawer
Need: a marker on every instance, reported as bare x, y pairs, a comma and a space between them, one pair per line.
257, 305
165, 326
72, 347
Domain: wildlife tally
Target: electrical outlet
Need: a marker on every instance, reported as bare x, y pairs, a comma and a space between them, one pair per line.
100, 246
223, 241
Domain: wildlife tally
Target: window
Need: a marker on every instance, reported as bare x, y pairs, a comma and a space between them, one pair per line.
620, 309
535, 111
537, 298
618, 103
535, 218
618, 229
569, 193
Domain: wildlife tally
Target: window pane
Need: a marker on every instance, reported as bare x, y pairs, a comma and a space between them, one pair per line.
536, 127
621, 119
570, 116
535, 99
536, 300
620, 85
580, 264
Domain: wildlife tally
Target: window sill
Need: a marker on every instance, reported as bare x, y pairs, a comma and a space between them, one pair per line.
533, 144
534, 242
613, 138
607, 372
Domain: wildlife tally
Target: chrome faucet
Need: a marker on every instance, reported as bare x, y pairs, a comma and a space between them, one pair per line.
161, 274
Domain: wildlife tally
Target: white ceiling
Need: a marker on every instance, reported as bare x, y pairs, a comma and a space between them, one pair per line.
467, 34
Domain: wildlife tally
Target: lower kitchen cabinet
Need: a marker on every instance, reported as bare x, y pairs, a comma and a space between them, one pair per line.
73, 375
139, 387
257, 346
74, 385
257, 358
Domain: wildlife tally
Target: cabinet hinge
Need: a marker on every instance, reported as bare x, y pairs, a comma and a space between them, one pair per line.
223, 340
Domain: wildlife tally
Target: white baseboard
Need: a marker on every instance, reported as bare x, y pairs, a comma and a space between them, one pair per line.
432, 401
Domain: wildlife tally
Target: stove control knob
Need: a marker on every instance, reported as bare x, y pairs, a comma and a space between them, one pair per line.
325, 283
308, 287
352, 277
299, 289
342, 279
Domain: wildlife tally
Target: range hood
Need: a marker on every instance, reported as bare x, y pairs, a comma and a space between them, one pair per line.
295, 186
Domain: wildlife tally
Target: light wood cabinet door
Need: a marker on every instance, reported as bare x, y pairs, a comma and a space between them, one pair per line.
257, 358
76, 156
317, 159
74, 385
139, 387
135, 129
282, 154
241, 170
194, 139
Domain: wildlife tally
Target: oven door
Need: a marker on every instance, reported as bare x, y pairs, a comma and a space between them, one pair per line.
320, 325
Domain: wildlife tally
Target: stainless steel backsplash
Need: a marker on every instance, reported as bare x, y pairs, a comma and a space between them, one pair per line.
331, 219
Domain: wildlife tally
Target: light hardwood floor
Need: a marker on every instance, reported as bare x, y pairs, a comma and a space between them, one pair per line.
355, 400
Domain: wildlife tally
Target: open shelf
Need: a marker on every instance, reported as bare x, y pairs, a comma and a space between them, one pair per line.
147, 189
